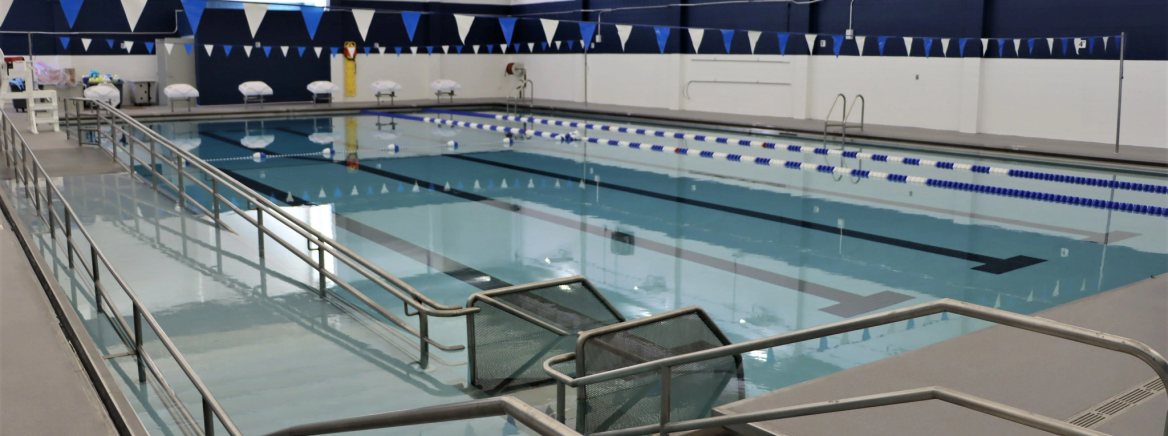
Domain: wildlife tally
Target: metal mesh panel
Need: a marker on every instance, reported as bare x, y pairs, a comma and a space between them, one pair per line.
636, 400
509, 351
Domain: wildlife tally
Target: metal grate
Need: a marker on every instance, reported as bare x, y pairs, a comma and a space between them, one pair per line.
1116, 405
636, 400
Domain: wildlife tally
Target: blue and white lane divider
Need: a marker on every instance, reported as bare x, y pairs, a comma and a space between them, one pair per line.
512, 130
895, 178
1143, 187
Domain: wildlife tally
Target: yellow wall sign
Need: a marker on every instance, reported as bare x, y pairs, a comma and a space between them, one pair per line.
350, 69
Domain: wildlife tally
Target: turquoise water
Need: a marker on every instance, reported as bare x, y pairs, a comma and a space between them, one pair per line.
764, 250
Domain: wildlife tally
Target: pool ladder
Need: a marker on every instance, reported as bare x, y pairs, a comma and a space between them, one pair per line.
516, 96
845, 114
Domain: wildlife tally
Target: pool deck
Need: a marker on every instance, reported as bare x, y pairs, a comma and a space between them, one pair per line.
1041, 374
1149, 158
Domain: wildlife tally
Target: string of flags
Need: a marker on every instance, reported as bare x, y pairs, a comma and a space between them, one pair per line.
586, 31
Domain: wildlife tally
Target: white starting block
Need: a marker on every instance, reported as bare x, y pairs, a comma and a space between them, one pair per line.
181, 91
445, 87
254, 92
322, 91
385, 88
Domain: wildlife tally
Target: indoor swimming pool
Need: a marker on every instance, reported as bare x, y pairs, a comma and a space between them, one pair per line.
763, 249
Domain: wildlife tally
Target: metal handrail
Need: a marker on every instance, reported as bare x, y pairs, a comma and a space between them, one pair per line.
423, 305
1025, 322
11, 136
545, 426
845, 115
519, 90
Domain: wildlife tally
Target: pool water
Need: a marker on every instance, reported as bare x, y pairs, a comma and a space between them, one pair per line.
763, 249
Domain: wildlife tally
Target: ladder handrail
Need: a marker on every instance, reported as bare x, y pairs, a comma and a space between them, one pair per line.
845, 115
863, 105
1001, 317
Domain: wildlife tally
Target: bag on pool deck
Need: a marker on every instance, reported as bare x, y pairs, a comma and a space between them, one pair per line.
20, 104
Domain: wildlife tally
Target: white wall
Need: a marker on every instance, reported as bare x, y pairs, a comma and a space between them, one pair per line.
1058, 99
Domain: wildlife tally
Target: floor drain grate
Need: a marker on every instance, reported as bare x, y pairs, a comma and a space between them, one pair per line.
1116, 405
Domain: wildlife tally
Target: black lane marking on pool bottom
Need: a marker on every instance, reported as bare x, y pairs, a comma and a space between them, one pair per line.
990, 264
847, 304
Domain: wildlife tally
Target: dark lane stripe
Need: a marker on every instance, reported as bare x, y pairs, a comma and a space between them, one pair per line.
848, 304
990, 264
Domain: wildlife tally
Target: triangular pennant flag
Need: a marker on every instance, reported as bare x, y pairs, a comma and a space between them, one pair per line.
227, 50
85, 43
543, 46
908, 45
810, 37
837, 42
284, 50
695, 37
1017, 47
300, 50
267, 51
752, 36
571, 42
189, 47
169, 46
985, 46
414, 50
463, 22
133, 10
508, 25
110, 42
549, 28
410, 19
381, 49
1076, 45
503, 48
333, 50
928, 46
255, 15
880, 42
363, 17
491, 48
318, 50
1064, 40
247, 50
727, 38
459, 48
194, 11
623, 31
312, 16
516, 47
149, 47
1002, 47
587, 30
1105, 43
208, 47
429, 50
530, 47
860, 44
474, 47
1091, 45
783, 37
945, 47
64, 40
1030, 44
446, 49
662, 37
1050, 45
558, 45
398, 51
961, 46
129, 46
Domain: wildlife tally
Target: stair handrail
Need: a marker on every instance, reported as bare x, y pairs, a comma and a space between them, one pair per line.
1002, 317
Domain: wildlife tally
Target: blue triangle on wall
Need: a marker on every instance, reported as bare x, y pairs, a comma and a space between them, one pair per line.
411, 21
192, 8
662, 37
727, 38
312, 16
150, 47
586, 32
508, 25
65, 41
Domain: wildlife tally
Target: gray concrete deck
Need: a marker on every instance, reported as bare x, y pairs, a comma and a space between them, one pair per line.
43, 388
1042, 374
61, 156
1146, 157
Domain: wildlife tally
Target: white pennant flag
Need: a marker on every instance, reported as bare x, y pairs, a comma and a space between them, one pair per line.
463, 22
753, 35
255, 15
85, 43
531, 47
1077, 46
169, 46
945, 46
985, 46
1050, 43
381, 50
1105, 38
860, 43
363, 17
208, 47
557, 45
284, 49
1017, 46
414, 50
503, 48
318, 50
696, 36
129, 46
476, 49
446, 49
623, 31
810, 42
247, 50
133, 10
549, 28
908, 45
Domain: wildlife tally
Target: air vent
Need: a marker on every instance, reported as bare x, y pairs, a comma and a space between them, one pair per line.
1116, 405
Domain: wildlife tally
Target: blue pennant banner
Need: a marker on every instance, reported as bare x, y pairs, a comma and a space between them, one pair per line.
301, 50
411, 21
508, 25
961, 46
1001, 48
333, 50
268, 51
1091, 45
194, 10
459, 48
543, 45
71, 8
367, 51
65, 41
516, 45
491, 48
149, 47
1030, 44
188, 47
429, 49
571, 43
227, 50
727, 38
586, 32
880, 41
1064, 46
110, 42
928, 46
837, 42
662, 37
398, 50
783, 37
312, 16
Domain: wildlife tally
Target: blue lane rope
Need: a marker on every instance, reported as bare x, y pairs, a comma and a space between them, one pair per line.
511, 130
1034, 175
894, 178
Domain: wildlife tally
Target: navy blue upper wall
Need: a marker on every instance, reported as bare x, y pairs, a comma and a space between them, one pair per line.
1144, 20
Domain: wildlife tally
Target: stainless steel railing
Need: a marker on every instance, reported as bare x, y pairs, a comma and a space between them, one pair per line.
845, 115
545, 426
30, 174
1030, 323
111, 124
